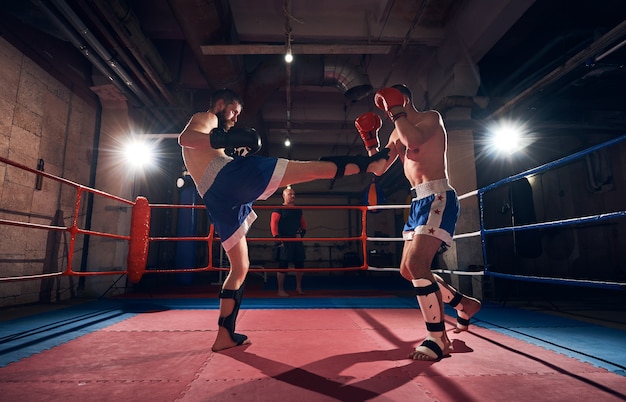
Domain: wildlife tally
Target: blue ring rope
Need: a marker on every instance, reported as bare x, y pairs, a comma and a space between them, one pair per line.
572, 221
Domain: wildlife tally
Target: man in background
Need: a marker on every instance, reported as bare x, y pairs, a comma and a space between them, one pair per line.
288, 222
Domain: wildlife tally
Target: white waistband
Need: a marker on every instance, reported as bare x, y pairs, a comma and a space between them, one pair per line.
208, 177
428, 188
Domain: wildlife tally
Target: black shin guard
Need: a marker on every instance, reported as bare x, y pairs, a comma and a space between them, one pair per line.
229, 321
454, 302
360, 160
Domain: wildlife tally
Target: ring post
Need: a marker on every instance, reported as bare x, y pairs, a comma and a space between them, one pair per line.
139, 240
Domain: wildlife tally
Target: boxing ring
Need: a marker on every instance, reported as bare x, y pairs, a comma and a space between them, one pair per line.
139, 238
485, 232
314, 347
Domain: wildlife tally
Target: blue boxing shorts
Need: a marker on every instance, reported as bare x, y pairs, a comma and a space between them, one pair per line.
229, 186
434, 211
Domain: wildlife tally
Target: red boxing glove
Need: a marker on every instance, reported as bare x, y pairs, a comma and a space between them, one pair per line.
368, 125
388, 99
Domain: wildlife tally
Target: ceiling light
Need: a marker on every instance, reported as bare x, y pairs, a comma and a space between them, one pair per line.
289, 56
287, 142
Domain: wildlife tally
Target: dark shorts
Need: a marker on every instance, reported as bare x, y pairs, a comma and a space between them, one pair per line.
290, 251
232, 185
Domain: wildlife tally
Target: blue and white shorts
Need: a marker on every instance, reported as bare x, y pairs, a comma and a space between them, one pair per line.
229, 186
434, 211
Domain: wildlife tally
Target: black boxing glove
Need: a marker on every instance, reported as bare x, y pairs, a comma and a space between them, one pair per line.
237, 141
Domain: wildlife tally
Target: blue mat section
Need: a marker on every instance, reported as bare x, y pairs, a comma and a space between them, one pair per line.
24, 337
597, 345
594, 344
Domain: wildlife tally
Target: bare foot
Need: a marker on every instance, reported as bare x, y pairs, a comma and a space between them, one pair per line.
300, 292
432, 349
282, 293
224, 341
468, 307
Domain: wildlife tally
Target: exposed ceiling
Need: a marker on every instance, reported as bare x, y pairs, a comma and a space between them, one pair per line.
559, 62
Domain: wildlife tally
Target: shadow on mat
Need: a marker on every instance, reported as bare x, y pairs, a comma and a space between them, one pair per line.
375, 386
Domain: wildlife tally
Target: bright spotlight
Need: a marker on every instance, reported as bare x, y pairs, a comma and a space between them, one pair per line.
508, 138
139, 153
287, 142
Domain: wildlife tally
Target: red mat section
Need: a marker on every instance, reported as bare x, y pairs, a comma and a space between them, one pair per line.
299, 355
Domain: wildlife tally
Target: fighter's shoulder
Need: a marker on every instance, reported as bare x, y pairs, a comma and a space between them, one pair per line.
203, 121
198, 116
430, 115
429, 119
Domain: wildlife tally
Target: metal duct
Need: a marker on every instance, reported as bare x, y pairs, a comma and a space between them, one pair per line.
125, 24
100, 49
93, 50
353, 83
334, 71
71, 36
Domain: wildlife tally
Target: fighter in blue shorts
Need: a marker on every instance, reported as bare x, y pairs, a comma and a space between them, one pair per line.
434, 211
419, 141
220, 160
232, 185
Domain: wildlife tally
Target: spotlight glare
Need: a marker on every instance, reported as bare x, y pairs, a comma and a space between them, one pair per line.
287, 142
507, 138
288, 56
139, 153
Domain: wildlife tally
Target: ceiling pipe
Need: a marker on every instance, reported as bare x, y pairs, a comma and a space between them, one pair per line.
91, 40
126, 26
94, 51
73, 38
321, 71
132, 40
121, 53
210, 22
349, 79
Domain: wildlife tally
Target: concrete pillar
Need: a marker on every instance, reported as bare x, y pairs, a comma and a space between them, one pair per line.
116, 178
462, 171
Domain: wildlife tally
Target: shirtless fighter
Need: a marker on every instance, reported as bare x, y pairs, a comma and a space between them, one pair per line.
419, 140
230, 183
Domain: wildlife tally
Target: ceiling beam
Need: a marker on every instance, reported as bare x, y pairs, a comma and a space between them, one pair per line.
209, 50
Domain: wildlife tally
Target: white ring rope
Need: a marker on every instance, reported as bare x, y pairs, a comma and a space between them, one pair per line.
457, 236
467, 195
371, 207
437, 271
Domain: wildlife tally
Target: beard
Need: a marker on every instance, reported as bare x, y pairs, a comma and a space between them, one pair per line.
223, 122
